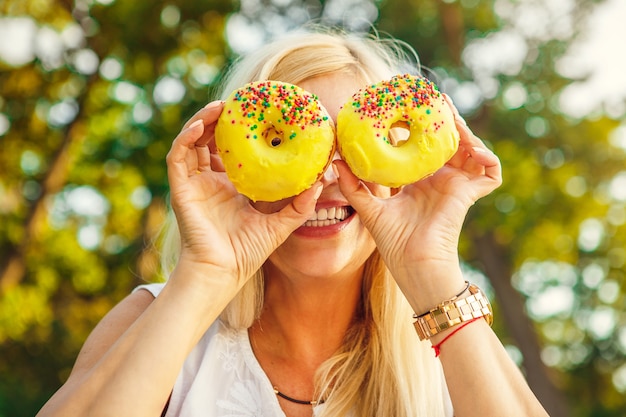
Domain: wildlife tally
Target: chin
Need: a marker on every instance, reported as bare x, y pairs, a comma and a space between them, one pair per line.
319, 261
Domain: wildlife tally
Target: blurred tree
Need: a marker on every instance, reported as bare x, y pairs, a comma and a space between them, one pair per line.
93, 91
551, 239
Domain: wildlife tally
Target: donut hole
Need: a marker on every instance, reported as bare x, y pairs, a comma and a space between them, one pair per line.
399, 133
273, 137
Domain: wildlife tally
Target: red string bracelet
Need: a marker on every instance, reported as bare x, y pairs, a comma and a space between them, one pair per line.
437, 347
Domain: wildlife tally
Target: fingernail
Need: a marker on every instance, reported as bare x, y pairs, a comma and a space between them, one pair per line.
196, 124
318, 192
481, 150
335, 170
213, 104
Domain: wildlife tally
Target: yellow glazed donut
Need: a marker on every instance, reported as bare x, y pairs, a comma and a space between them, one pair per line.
275, 140
407, 101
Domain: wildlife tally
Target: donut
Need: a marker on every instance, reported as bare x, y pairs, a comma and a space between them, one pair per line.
275, 140
413, 105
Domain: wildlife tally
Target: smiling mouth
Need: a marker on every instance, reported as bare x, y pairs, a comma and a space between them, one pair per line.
329, 216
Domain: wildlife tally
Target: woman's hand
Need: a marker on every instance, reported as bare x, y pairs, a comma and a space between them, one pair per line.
221, 233
419, 227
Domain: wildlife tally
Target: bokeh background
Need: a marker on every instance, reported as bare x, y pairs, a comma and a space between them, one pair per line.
93, 91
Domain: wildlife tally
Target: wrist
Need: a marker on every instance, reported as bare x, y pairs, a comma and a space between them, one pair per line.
190, 305
450, 313
203, 284
430, 282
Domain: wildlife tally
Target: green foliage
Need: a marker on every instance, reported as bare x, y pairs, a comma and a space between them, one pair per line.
82, 173
83, 181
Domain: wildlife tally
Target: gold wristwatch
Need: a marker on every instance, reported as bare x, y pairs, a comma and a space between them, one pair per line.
453, 312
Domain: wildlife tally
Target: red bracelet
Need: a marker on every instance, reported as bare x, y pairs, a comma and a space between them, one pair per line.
437, 347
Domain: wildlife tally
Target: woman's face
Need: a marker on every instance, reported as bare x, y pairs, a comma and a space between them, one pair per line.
340, 244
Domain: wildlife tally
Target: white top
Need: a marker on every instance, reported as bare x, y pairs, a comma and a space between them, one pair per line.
222, 377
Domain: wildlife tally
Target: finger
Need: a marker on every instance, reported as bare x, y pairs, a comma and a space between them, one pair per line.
303, 205
216, 160
467, 137
475, 147
212, 159
359, 196
459, 158
216, 163
482, 168
471, 168
294, 214
490, 161
209, 116
177, 158
203, 157
199, 158
209, 113
483, 171
455, 111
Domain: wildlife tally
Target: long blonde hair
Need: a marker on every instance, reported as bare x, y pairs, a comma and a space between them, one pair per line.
382, 368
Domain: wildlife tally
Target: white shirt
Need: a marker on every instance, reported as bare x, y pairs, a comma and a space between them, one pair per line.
222, 377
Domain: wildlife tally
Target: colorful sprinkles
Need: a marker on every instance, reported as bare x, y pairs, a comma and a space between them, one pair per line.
294, 139
380, 102
296, 106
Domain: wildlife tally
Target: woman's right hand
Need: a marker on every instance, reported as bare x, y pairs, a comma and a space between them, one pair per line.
222, 235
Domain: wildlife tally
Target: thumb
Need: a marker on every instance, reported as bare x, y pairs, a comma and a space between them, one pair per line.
298, 211
359, 196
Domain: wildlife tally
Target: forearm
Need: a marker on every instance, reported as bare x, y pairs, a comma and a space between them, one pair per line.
481, 378
136, 374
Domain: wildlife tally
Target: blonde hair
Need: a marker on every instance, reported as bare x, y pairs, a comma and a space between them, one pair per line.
382, 369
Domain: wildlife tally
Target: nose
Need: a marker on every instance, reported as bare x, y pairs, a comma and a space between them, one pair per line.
329, 175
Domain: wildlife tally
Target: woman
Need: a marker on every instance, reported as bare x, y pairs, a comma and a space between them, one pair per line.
265, 314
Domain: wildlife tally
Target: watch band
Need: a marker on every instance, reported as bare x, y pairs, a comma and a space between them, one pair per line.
453, 312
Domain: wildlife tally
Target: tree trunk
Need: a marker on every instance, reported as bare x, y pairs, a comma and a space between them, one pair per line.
13, 269
495, 260
453, 29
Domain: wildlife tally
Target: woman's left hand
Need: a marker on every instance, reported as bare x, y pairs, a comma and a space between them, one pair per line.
420, 225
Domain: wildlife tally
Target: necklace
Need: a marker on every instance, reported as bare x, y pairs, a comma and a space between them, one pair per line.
293, 400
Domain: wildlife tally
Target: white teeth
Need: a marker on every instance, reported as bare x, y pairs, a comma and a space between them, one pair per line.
327, 216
